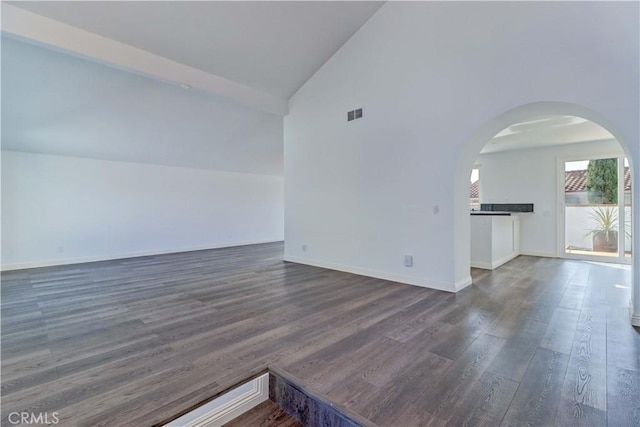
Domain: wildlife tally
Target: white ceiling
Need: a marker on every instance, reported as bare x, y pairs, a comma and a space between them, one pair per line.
545, 131
272, 46
69, 92
55, 103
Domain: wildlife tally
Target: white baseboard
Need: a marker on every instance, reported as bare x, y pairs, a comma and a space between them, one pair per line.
495, 264
460, 285
635, 317
449, 287
540, 254
482, 265
504, 260
228, 406
79, 260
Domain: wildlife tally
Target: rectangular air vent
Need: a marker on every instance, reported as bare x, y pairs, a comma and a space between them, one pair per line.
355, 114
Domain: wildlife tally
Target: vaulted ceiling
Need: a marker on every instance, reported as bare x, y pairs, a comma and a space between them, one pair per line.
273, 46
54, 103
102, 79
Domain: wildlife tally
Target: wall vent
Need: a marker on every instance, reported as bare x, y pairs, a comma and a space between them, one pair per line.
355, 114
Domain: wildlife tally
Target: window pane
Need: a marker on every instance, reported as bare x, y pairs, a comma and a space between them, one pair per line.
591, 207
474, 196
628, 210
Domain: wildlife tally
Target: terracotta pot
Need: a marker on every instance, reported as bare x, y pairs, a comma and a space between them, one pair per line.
601, 244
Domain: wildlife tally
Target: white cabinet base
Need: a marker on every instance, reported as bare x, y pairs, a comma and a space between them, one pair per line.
495, 240
493, 265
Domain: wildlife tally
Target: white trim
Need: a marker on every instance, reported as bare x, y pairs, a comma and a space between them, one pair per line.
441, 286
482, 265
560, 204
67, 261
597, 258
461, 284
228, 406
635, 317
619, 155
38, 29
498, 263
540, 254
621, 208
495, 264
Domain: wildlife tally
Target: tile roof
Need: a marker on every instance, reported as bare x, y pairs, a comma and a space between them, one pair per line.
474, 190
575, 182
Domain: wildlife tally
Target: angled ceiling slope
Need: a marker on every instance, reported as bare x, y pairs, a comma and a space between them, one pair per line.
102, 79
271, 46
54, 103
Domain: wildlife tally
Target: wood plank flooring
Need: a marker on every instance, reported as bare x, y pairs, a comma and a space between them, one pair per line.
139, 341
266, 414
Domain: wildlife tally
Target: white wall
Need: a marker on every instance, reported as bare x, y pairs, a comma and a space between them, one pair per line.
97, 209
436, 79
531, 176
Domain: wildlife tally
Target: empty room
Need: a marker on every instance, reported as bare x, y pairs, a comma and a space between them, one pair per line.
304, 213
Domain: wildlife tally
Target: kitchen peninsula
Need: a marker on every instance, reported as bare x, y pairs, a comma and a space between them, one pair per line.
495, 234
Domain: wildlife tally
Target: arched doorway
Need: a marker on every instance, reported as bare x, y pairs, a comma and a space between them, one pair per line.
475, 145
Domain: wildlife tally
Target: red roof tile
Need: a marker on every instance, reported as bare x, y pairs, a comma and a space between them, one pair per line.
474, 190
575, 182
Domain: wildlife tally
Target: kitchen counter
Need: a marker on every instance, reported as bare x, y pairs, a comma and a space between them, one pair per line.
495, 238
500, 213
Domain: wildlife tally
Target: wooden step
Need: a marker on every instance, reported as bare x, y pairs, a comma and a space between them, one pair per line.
266, 414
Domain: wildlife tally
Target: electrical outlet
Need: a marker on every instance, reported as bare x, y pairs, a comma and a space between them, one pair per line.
304, 248
60, 249
408, 260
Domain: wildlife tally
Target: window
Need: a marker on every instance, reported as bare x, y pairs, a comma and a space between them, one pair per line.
474, 193
597, 208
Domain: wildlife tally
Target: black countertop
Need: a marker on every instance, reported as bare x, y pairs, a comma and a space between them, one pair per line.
494, 213
507, 207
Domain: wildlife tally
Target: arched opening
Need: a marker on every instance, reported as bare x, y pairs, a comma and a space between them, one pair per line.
550, 211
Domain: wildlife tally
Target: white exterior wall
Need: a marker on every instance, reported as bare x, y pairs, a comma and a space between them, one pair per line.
578, 221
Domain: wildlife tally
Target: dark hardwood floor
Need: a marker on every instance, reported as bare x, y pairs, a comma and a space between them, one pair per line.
266, 414
138, 341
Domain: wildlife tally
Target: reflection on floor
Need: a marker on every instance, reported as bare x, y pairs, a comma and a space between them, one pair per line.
595, 253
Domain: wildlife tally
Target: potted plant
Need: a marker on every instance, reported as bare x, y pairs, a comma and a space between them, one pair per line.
605, 233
